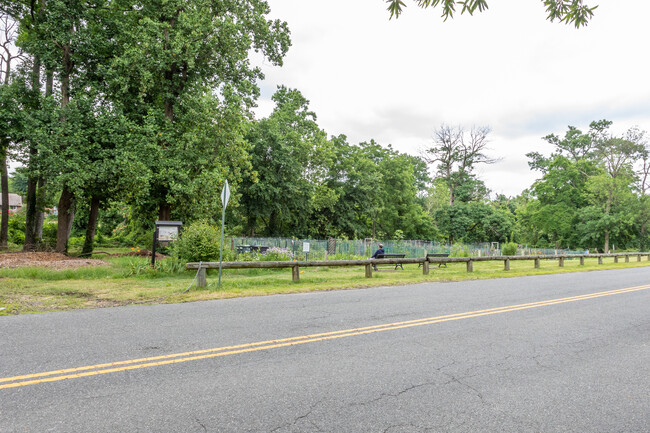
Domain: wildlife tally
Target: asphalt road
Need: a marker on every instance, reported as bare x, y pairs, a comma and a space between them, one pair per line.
556, 353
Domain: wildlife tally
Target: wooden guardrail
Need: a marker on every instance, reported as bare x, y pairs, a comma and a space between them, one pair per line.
424, 261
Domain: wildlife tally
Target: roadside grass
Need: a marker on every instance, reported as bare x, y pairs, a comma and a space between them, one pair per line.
131, 281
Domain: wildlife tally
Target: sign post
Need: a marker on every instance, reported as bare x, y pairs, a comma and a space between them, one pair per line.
164, 233
225, 196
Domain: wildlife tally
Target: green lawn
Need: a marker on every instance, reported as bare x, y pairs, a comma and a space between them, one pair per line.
130, 280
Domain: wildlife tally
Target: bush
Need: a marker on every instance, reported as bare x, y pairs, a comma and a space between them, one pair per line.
509, 249
199, 242
49, 233
17, 228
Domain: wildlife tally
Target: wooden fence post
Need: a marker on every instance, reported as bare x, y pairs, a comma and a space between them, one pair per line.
506, 265
295, 273
536, 263
425, 267
470, 266
615, 259
582, 260
627, 258
561, 260
202, 279
638, 258
600, 260
368, 270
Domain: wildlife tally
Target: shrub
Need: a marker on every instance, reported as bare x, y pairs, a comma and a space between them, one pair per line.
199, 242
49, 233
509, 249
17, 228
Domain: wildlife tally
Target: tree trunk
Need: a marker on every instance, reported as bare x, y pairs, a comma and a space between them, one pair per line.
165, 212
608, 208
42, 193
92, 226
65, 218
66, 202
40, 210
31, 241
644, 232
4, 181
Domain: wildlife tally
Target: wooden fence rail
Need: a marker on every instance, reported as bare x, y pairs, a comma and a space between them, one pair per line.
370, 263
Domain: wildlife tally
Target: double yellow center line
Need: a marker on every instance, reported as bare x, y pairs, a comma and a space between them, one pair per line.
156, 361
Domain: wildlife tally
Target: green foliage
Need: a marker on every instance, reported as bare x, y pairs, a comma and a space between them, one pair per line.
474, 222
139, 266
567, 11
199, 241
459, 250
586, 196
509, 249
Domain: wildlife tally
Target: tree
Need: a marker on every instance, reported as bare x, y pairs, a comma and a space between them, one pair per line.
353, 175
643, 175
586, 194
618, 156
456, 154
184, 69
8, 54
561, 193
474, 222
279, 194
567, 11
400, 208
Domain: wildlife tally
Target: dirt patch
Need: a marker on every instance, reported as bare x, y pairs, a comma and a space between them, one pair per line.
48, 260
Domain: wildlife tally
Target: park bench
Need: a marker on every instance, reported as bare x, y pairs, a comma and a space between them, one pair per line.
432, 255
390, 256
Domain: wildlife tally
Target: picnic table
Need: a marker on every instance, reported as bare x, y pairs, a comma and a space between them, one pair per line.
241, 249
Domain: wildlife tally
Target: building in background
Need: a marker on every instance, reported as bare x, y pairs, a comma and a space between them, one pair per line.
15, 203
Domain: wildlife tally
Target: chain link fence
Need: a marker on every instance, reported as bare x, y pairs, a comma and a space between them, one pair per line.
319, 249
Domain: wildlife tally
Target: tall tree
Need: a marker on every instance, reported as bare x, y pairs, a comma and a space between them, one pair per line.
8, 54
184, 70
586, 194
618, 156
456, 153
280, 193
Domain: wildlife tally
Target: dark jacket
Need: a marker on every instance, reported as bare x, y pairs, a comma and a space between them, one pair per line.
379, 251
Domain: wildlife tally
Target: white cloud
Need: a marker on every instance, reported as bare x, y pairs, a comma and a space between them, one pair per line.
396, 80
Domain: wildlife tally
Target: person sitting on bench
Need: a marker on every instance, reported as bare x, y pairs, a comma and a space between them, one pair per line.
379, 251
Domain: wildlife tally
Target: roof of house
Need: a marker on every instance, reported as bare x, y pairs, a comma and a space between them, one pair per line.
14, 200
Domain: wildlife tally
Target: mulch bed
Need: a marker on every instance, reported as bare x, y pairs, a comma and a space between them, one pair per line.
48, 260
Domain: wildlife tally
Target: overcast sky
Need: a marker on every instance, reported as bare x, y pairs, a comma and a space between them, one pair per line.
508, 68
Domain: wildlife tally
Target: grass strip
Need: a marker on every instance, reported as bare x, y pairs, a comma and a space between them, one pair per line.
131, 281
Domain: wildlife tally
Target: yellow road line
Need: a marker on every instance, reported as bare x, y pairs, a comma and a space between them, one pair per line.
272, 344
